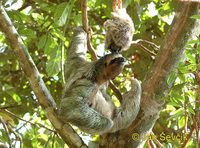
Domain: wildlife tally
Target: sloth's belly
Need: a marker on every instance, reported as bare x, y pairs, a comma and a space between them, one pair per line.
102, 106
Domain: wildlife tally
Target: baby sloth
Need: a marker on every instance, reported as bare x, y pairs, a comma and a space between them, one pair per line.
85, 102
119, 29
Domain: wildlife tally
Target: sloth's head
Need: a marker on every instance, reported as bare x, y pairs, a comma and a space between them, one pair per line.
108, 67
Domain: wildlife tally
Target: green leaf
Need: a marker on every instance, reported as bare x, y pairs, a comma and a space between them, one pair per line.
171, 78
16, 97
183, 68
27, 32
177, 101
63, 18
63, 11
176, 114
42, 41
53, 65
178, 87
181, 122
195, 16
191, 108
191, 57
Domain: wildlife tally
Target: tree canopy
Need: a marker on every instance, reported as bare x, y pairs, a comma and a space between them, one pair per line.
165, 60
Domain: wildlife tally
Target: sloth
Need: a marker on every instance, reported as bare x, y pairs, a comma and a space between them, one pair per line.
85, 102
119, 29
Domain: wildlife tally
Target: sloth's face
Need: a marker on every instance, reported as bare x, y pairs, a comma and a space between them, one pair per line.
108, 67
113, 64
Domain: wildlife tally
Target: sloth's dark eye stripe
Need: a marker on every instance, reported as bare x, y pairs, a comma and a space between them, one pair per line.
120, 59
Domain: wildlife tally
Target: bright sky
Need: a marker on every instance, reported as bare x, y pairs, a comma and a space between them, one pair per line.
14, 6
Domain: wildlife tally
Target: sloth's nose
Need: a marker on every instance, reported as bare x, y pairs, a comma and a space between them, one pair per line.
118, 60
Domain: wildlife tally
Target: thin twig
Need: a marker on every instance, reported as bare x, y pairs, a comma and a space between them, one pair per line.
196, 116
197, 107
148, 144
48, 141
53, 140
34, 124
144, 48
84, 15
188, 137
156, 140
196, 121
151, 143
87, 30
6, 131
185, 118
147, 50
116, 91
148, 42
197, 101
10, 106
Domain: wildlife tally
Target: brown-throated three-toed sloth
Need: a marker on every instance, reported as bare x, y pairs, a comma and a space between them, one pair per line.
85, 102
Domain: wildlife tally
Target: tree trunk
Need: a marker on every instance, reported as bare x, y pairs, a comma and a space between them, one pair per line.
154, 87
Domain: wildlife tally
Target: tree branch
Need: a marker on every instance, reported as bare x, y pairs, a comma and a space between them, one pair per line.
34, 124
44, 97
155, 86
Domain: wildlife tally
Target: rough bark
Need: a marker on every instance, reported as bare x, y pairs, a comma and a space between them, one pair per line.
44, 97
155, 84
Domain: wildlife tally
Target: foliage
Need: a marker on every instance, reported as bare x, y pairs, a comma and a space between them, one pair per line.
46, 29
